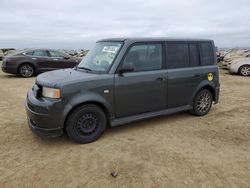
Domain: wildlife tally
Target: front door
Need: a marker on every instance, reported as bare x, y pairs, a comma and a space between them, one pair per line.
144, 89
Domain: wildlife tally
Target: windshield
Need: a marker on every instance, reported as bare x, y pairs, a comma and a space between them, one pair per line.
101, 57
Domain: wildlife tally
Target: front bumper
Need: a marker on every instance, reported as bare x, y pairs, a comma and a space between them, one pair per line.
44, 132
44, 115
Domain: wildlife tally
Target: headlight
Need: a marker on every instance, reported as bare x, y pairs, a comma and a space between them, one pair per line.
51, 92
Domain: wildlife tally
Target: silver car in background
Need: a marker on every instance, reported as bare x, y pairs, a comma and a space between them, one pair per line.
241, 66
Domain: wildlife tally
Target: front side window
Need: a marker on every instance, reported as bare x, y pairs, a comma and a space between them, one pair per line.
40, 53
101, 57
56, 54
145, 57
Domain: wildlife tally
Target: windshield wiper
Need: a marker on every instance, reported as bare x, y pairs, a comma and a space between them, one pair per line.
85, 68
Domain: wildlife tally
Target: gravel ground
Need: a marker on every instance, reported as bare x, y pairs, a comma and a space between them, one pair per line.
180, 150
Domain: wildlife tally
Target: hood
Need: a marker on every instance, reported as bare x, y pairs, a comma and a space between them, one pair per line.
58, 78
76, 59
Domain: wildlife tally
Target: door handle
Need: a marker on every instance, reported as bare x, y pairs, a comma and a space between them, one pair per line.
162, 79
34, 58
55, 59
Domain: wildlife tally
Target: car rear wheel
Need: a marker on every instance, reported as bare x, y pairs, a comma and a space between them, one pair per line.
202, 103
86, 124
26, 70
244, 70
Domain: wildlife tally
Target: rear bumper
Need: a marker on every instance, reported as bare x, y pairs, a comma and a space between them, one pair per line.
11, 70
217, 94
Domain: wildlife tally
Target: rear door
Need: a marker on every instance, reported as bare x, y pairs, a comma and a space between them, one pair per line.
184, 72
41, 59
58, 60
144, 89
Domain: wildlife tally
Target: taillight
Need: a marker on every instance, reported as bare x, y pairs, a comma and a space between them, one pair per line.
5, 61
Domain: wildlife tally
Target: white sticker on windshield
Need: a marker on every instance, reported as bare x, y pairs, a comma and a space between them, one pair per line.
110, 49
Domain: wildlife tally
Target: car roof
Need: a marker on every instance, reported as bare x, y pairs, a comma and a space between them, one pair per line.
32, 49
154, 39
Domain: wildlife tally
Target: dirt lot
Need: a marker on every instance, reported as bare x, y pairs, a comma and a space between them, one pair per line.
172, 151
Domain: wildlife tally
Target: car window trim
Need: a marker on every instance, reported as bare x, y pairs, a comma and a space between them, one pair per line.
142, 43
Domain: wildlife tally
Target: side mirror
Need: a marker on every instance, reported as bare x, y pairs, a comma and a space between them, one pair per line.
126, 67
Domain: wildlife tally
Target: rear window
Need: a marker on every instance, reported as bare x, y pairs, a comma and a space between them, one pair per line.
207, 54
177, 55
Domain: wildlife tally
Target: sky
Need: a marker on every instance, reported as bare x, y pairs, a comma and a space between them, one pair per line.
75, 24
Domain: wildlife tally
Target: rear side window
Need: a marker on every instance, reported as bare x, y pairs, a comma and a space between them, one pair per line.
207, 54
194, 55
40, 53
177, 55
145, 57
56, 54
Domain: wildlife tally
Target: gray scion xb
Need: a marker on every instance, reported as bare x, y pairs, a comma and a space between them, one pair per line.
123, 80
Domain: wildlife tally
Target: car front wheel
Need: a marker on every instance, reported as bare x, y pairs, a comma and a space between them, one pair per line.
202, 102
86, 124
244, 70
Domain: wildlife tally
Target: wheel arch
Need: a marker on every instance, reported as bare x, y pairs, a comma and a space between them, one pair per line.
97, 103
210, 86
240, 67
211, 89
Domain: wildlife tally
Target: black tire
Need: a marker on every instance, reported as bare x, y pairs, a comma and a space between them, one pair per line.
202, 103
244, 70
26, 70
86, 124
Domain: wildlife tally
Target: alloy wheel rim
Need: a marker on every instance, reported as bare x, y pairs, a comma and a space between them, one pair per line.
245, 71
204, 102
26, 71
87, 124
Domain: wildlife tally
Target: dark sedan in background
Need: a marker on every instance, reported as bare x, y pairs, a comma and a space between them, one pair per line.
31, 62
